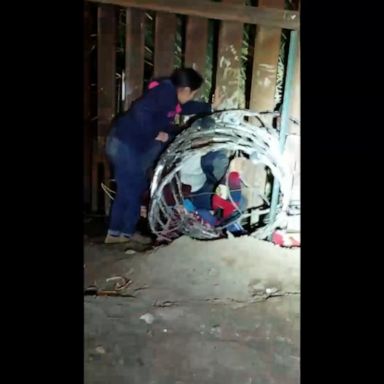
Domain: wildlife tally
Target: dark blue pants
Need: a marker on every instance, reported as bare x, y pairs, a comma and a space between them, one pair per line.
153, 153
131, 183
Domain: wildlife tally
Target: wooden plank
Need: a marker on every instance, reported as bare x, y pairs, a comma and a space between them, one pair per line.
87, 132
253, 176
134, 55
94, 177
196, 43
106, 68
165, 35
266, 55
106, 84
228, 79
264, 71
217, 11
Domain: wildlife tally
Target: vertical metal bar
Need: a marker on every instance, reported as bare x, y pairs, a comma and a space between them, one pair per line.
288, 88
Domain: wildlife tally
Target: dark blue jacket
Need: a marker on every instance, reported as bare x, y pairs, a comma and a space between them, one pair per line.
152, 113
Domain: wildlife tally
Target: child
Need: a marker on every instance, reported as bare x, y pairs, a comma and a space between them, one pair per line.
136, 139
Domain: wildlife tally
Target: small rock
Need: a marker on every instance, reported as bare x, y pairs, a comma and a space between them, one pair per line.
130, 252
148, 318
216, 331
140, 361
100, 350
165, 304
271, 291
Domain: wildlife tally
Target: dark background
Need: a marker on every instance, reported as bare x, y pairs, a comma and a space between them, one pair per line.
341, 244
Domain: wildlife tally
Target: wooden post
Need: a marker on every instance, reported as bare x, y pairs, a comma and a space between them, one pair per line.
217, 11
264, 74
229, 62
134, 55
87, 133
196, 44
106, 84
165, 35
267, 49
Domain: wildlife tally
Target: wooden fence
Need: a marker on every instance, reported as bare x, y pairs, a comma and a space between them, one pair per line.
269, 16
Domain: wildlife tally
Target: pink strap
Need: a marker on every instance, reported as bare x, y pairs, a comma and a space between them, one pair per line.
153, 84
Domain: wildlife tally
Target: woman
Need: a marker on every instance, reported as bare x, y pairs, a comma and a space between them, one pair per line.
136, 139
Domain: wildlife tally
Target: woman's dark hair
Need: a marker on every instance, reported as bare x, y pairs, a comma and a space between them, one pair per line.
186, 77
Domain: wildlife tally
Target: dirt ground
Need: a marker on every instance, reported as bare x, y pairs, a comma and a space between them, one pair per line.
225, 311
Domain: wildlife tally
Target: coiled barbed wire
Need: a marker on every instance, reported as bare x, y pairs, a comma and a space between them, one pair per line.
235, 131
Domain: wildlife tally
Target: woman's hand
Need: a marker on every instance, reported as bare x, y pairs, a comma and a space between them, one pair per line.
217, 99
162, 136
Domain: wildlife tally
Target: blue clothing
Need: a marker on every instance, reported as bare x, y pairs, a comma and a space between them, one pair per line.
131, 183
214, 166
133, 150
152, 113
